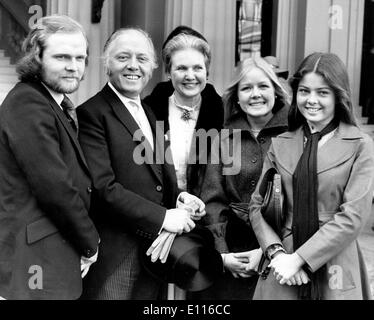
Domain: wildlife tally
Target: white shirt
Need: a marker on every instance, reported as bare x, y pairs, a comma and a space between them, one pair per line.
58, 97
181, 136
135, 108
324, 139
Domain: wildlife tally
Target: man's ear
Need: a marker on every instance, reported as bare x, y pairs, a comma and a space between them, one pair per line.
38, 56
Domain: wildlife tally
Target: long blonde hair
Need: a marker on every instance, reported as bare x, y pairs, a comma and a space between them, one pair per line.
230, 97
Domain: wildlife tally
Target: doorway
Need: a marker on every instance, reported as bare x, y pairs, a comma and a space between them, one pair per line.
367, 67
255, 28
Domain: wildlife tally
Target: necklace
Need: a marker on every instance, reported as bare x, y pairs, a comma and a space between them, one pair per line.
186, 110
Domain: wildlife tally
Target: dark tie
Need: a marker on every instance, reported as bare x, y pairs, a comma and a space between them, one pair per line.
70, 113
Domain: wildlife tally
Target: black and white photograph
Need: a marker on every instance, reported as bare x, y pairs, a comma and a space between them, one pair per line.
188, 154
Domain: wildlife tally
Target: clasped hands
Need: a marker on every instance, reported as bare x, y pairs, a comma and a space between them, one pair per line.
177, 221
242, 264
287, 269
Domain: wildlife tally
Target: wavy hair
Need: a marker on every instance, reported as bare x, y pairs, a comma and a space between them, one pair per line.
230, 96
29, 67
118, 33
186, 41
333, 71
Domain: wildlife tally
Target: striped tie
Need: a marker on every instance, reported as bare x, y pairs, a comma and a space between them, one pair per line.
70, 113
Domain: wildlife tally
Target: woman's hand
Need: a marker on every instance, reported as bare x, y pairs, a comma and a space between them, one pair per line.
237, 266
299, 278
286, 266
191, 203
253, 257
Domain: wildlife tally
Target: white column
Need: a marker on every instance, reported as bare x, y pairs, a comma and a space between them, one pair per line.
286, 39
215, 20
97, 35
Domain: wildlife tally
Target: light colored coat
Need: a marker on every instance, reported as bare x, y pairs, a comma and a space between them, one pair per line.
345, 169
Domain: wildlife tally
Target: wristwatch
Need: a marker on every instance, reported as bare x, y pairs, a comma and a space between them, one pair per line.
273, 249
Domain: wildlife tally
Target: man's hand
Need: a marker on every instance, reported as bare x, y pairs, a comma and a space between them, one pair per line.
86, 263
178, 221
194, 204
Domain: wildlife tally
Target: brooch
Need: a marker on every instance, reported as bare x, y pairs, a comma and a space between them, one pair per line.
186, 115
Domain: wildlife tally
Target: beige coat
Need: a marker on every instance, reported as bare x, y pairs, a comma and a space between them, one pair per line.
345, 168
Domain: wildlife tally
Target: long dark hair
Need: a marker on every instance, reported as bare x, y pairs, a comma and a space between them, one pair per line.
333, 71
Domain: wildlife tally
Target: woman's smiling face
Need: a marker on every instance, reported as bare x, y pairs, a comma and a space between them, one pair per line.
256, 94
315, 100
188, 74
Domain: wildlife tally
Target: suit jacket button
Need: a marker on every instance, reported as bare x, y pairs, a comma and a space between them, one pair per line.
89, 189
159, 188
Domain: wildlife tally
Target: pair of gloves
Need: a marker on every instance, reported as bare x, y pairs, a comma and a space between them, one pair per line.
160, 248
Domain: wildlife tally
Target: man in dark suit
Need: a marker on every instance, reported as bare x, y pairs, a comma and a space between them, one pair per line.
134, 197
47, 240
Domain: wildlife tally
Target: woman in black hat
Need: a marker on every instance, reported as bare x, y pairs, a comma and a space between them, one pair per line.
187, 104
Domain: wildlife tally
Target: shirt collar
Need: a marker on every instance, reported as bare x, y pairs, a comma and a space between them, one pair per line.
125, 100
58, 97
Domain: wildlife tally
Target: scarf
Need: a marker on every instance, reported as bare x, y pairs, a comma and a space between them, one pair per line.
305, 199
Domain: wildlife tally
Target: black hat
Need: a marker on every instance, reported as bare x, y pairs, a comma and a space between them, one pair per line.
193, 263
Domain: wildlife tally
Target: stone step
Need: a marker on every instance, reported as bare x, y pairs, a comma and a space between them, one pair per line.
8, 78
369, 129
7, 70
5, 61
2, 97
6, 87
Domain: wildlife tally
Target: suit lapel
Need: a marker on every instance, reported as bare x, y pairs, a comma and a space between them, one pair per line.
131, 126
64, 121
158, 142
120, 110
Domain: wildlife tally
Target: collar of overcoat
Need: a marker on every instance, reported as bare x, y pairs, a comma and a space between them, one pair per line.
288, 148
131, 126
